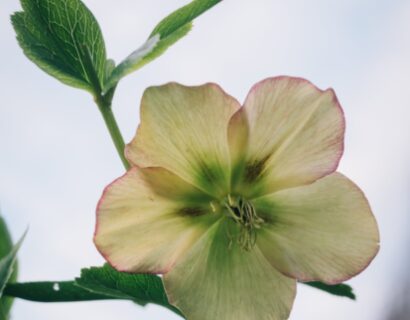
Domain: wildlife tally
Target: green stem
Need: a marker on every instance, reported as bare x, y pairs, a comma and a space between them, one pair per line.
104, 105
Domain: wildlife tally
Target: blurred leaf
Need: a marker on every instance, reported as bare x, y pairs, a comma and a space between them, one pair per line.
166, 33
5, 239
141, 288
52, 291
7, 264
6, 246
63, 38
340, 289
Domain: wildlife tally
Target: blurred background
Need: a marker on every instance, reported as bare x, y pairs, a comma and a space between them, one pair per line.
56, 155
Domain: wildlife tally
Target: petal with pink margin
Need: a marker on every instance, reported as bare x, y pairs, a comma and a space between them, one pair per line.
218, 281
184, 129
238, 138
149, 218
324, 231
296, 134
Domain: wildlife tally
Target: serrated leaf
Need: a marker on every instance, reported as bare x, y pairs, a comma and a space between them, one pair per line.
340, 289
7, 264
141, 288
63, 38
166, 33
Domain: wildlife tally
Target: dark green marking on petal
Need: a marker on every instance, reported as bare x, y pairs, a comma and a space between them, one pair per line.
267, 211
212, 178
237, 173
268, 217
192, 211
207, 174
195, 199
254, 169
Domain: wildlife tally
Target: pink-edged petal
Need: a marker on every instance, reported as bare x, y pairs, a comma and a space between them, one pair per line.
238, 137
324, 231
216, 280
184, 129
149, 218
295, 133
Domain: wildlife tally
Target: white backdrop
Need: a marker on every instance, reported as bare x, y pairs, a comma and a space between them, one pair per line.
56, 155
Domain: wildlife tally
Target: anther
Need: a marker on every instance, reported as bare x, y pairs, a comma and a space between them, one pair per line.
213, 206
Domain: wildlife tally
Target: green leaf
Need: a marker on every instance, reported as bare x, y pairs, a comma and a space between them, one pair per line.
5, 239
6, 246
340, 289
166, 33
182, 16
52, 291
7, 265
141, 288
63, 38
96, 283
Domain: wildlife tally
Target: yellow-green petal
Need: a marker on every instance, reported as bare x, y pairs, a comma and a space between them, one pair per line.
295, 133
184, 129
238, 137
148, 219
324, 231
214, 281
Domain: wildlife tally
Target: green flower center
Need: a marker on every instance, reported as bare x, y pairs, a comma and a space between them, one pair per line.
244, 214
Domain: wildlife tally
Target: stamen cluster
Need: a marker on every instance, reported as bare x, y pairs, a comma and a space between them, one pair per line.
244, 213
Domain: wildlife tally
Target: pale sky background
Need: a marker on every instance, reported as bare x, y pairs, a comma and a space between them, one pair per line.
56, 155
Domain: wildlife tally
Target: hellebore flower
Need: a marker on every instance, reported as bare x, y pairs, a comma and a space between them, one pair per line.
235, 204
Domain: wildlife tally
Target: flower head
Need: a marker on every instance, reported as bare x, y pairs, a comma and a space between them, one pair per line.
235, 204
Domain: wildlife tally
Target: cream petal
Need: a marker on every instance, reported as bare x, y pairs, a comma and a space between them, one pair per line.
324, 231
215, 281
295, 134
184, 129
149, 218
238, 137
